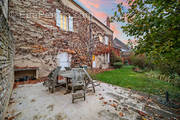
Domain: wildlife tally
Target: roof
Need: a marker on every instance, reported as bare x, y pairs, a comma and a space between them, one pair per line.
119, 44
90, 14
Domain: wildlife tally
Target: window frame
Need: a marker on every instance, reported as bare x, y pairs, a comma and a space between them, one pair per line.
106, 42
63, 21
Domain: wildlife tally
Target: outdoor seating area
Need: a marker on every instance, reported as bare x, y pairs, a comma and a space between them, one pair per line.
89, 60
34, 102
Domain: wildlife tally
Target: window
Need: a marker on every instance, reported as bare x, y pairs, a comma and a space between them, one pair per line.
101, 38
70, 23
58, 23
106, 58
106, 40
64, 22
64, 60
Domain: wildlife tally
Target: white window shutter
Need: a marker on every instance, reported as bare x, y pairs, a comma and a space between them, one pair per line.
100, 38
70, 23
58, 22
106, 40
63, 22
108, 58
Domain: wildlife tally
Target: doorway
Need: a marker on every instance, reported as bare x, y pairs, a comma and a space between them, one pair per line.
64, 60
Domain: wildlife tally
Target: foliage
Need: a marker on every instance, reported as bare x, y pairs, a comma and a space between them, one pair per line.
117, 65
141, 61
158, 75
114, 58
155, 23
168, 70
127, 78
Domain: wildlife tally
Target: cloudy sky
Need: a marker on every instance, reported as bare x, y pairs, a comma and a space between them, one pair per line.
103, 8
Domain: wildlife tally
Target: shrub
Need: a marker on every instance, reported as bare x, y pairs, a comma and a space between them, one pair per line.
117, 65
141, 61
138, 60
158, 75
176, 81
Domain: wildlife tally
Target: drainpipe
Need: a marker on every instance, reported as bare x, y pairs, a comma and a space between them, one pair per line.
90, 37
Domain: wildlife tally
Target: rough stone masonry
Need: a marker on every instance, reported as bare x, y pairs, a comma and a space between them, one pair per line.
6, 59
38, 40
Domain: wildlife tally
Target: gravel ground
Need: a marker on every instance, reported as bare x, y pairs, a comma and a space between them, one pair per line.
34, 102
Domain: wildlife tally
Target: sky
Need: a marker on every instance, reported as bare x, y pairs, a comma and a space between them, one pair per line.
101, 9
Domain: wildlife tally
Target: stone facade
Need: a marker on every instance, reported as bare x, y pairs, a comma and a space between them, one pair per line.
6, 59
38, 40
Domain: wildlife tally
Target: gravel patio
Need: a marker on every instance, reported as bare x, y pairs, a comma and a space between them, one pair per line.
34, 102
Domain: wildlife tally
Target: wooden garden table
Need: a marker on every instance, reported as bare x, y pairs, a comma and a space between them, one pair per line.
68, 75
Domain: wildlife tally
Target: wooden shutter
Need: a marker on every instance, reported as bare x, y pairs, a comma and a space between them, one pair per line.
70, 23
58, 22
61, 21
65, 22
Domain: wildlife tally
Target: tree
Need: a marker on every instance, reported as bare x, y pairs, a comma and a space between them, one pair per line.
156, 25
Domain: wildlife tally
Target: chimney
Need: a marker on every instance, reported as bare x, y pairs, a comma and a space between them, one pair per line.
108, 22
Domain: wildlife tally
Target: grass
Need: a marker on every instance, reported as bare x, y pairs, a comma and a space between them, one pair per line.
126, 77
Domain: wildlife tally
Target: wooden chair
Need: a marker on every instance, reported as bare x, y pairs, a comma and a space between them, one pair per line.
89, 80
52, 80
78, 83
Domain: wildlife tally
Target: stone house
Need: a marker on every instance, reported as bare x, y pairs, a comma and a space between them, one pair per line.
121, 50
48, 33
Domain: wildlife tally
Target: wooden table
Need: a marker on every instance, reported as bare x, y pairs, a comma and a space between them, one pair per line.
68, 75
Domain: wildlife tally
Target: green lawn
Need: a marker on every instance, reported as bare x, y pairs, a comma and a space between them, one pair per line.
126, 77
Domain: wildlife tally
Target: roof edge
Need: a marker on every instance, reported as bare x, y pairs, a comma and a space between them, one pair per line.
91, 15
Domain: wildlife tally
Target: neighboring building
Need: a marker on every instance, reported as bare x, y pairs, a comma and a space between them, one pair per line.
121, 49
6, 59
57, 32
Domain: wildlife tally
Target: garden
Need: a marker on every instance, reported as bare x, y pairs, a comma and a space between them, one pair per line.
126, 77
144, 76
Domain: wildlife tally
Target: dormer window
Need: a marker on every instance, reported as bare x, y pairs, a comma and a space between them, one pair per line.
63, 21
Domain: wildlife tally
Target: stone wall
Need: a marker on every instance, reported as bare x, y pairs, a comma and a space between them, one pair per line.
6, 60
38, 40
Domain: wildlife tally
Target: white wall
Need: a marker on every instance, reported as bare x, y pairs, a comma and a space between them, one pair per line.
101, 62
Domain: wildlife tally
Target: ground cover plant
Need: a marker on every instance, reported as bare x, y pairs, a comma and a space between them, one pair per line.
126, 77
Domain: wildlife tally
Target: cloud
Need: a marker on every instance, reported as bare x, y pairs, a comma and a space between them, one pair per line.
124, 2
89, 4
100, 15
94, 4
114, 28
